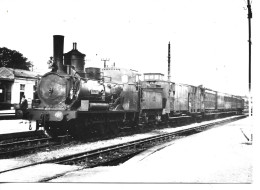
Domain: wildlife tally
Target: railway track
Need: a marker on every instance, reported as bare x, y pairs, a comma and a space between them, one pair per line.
18, 148
115, 154
137, 146
9, 137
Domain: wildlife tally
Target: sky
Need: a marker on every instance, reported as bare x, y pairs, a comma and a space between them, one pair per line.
209, 38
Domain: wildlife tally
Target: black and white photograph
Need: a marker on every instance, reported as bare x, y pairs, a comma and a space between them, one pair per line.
128, 92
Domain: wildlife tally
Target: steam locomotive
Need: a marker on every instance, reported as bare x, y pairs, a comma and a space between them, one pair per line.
102, 100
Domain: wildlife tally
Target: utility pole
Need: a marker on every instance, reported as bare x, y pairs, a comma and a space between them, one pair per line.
249, 39
105, 60
169, 62
249, 16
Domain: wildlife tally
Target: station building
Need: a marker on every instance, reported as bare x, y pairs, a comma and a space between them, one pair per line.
14, 83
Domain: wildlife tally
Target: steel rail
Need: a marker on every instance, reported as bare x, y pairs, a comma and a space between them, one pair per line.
16, 143
30, 145
25, 134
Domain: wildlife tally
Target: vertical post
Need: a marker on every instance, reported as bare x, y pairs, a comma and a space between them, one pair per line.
249, 16
249, 39
169, 62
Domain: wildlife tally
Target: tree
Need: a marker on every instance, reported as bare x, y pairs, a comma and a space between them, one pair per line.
13, 59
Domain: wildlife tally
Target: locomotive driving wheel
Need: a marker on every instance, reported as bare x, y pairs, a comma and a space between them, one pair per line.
54, 130
79, 128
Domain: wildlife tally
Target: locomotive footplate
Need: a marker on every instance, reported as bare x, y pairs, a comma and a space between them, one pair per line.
51, 115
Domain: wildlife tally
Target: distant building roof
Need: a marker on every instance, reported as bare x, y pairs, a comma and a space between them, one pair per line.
153, 74
10, 74
6, 74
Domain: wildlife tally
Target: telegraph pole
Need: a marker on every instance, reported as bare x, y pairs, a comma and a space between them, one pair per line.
169, 62
249, 16
249, 39
105, 60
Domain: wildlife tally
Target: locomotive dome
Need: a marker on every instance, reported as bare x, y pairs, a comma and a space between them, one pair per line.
75, 58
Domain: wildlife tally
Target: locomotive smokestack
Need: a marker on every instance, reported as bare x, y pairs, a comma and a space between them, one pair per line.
169, 62
58, 44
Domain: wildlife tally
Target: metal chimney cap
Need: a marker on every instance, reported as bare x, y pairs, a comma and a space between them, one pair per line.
74, 46
58, 36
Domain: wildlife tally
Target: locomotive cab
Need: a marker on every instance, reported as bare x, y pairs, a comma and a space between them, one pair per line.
121, 88
120, 75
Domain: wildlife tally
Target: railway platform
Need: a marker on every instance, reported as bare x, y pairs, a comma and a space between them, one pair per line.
15, 126
11, 111
219, 155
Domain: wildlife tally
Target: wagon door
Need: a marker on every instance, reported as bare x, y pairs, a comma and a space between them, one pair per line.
192, 99
181, 98
199, 100
172, 100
